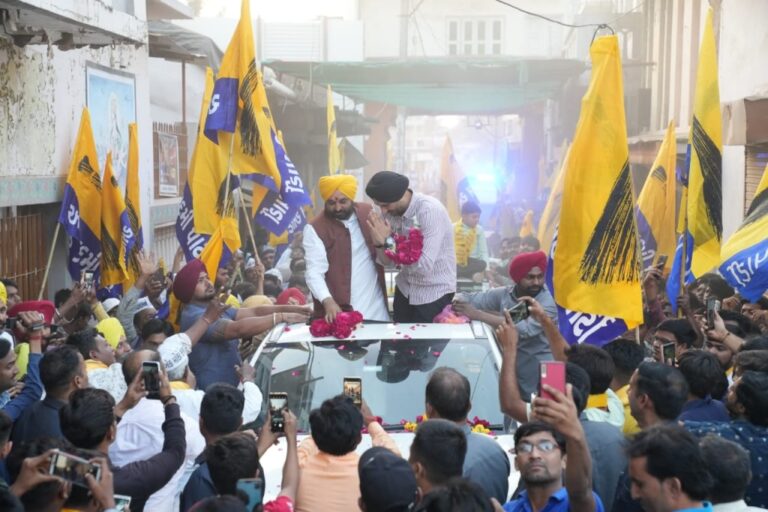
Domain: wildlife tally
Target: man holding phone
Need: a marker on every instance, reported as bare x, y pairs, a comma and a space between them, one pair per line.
527, 270
216, 355
540, 455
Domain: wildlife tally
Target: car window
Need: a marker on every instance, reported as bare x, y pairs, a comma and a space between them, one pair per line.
394, 375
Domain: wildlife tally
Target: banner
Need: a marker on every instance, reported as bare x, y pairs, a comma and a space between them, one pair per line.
597, 267
705, 188
456, 188
208, 174
579, 327
279, 212
656, 204
191, 242
745, 255
551, 214
220, 247
81, 207
334, 156
133, 208
116, 233
239, 120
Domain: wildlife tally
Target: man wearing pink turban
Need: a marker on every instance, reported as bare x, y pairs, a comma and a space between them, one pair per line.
342, 271
527, 271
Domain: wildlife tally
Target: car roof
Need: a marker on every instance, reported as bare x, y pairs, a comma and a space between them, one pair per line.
296, 333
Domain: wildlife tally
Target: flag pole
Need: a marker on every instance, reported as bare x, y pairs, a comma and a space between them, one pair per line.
242, 201
50, 259
250, 229
684, 255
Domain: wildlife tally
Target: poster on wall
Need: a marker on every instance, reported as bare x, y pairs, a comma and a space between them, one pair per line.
168, 165
111, 98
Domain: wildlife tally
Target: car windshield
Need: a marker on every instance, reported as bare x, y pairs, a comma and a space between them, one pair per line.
394, 375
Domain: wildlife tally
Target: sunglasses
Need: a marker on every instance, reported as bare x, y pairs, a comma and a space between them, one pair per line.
543, 446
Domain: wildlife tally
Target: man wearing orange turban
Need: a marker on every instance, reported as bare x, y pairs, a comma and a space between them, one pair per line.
340, 255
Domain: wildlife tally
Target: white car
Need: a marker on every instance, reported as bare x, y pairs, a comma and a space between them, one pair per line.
394, 362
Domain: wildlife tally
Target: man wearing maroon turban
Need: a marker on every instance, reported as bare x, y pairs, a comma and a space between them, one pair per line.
527, 272
215, 356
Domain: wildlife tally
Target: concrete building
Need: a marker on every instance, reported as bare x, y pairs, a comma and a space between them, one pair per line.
48, 51
673, 36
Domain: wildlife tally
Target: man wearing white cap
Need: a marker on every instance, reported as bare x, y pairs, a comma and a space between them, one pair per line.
174, 352
110, 306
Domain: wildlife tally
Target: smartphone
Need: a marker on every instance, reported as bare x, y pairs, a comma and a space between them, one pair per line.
712, 306
668, 353
122, 503
519, 312
73, 468
88, 280
551, 373
150, 373
661, 261
277, 403
353, 388
252, 489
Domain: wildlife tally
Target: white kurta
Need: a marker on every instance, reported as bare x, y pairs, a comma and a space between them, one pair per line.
365, 296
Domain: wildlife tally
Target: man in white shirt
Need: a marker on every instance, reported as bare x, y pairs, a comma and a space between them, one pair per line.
341, 257
140, 436
174, 352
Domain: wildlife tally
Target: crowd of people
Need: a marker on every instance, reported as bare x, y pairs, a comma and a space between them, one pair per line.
672, 416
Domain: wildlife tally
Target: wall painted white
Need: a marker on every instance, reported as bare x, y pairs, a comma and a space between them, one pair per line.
734, 163
742, 51
428, 26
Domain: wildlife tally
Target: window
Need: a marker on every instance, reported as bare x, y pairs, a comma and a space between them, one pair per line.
475, 37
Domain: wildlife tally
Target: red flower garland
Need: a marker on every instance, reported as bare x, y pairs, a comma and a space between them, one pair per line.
341, 328
407, 248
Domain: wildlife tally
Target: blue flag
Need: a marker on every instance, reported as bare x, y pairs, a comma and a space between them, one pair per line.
192, 243
673, 281
283, 211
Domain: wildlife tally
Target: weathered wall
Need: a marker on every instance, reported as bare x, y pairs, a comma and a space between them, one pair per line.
42, 93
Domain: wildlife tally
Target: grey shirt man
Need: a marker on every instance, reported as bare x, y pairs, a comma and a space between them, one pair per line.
487, 465
606, 447
532, 346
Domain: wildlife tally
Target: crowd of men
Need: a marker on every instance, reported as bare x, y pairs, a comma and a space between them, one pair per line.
670, 417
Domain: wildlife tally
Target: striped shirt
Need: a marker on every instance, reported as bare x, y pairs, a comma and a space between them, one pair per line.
434, 275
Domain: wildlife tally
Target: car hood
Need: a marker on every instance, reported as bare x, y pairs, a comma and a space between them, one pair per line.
272, 461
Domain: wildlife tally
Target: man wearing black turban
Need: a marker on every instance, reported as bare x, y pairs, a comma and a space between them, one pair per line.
426, 286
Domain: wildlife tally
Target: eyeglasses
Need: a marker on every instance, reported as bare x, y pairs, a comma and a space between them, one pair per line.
543, 446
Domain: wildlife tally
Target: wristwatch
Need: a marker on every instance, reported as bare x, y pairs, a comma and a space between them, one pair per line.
389, 242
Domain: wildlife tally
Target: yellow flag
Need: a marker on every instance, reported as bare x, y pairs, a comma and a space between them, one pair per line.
656, 204
705, 187
745, 254
456, 189
226, 239
239, 108
80, 213
208, 174
596, 262
112, 240
133, 208
526, 228
551, 214
334, 158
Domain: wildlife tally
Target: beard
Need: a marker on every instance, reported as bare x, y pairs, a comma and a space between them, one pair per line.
531, 291
541, 477
342, 214
210, 293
